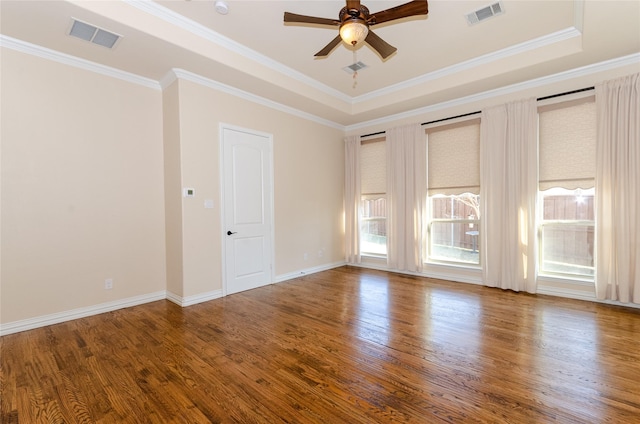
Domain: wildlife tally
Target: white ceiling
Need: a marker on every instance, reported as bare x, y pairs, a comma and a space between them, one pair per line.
440, 57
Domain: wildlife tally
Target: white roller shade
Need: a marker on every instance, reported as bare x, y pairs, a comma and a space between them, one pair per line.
373, 166
454, 158
567, 145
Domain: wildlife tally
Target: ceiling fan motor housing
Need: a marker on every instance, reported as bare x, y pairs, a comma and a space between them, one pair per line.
355, 20
354, 14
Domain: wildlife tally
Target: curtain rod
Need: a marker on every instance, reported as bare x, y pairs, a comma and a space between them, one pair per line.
430, 122
565, 93
452, 117
477, 112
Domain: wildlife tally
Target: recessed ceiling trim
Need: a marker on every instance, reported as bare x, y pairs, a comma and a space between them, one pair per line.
187, 24
56, 56
632, 59
198, 79
45, 53
174, 18
556, 37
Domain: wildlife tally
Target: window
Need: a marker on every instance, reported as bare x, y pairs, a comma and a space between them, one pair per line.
454, 228
567, 134
453, 182
566, 232
373, 180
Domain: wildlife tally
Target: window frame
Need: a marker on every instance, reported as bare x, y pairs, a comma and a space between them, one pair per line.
429, 221
372, 196
542, 223
429, 258
362, 219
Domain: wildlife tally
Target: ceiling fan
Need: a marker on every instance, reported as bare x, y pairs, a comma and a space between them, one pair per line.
354, 22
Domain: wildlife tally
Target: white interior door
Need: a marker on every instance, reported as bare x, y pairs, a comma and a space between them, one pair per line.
247, 209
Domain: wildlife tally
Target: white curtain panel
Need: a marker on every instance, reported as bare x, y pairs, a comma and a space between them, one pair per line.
618, 190
406, 194
352, 199
508, 180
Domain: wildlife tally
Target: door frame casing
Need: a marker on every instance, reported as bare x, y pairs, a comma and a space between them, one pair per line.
223, 126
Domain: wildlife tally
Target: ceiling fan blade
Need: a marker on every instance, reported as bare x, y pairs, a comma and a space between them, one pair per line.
294, 18
378, 44
412, 8
327, 49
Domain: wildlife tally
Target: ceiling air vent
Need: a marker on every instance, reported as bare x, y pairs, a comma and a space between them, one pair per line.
93, 34
485, 13
355, 67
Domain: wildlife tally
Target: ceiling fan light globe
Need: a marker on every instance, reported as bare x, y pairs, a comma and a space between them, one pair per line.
353, 32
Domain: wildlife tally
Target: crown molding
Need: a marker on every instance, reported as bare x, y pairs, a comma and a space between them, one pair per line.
200, 30
595, 68
168, 79
527, 46
49, 54
198, 79
167, 15
66, 59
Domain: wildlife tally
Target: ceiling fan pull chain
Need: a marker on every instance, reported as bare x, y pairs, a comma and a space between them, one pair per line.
355, 73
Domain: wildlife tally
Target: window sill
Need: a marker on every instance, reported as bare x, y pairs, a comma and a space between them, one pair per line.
453, 265
373, 255
373, 259
453, 272
566, 280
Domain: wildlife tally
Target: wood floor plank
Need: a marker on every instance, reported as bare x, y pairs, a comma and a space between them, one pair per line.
348, 345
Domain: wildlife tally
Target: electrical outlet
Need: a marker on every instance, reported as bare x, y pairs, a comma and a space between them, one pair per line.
305, 256
108, 284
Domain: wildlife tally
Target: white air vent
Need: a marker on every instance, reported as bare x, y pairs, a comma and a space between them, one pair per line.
485, 13
353, 68
93, 34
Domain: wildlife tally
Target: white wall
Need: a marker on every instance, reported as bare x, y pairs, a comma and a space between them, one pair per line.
82, 188
172, 188
308, 184
92, 168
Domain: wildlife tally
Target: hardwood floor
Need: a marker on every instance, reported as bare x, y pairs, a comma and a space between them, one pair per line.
343, 346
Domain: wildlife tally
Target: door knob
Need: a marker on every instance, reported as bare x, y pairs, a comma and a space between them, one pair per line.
230, 232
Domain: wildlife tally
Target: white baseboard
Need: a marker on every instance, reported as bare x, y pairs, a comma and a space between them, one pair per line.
196, 298
56, 318
542, 288
307, 271
427, 274
565, 292
581, 295
44, 320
